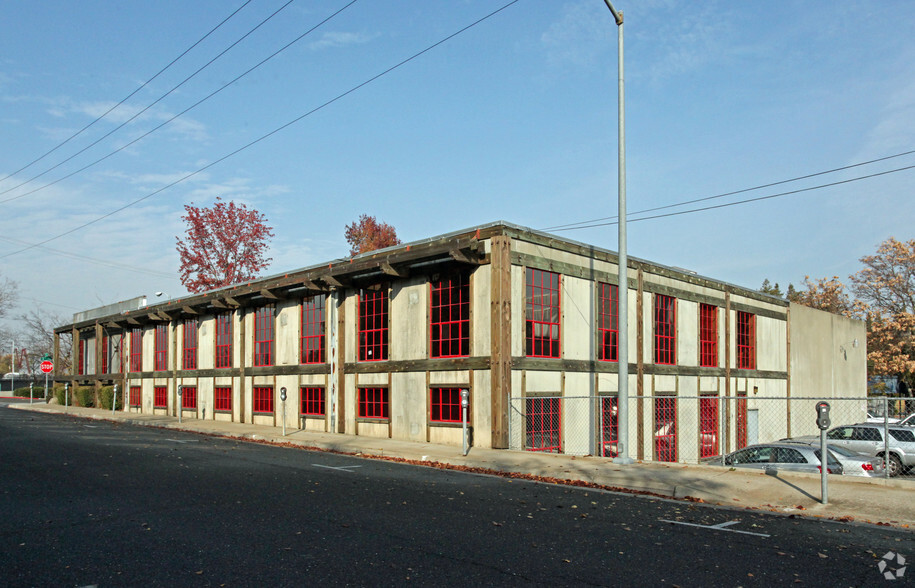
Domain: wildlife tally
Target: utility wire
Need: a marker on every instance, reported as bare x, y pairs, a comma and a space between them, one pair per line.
182, 113
270, 134
126, 98
760, 187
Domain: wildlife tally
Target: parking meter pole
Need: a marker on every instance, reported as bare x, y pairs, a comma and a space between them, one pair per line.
30, 393
824, 468
46, 385
66, 395
114, 399
283, 400
465, 403
179, 407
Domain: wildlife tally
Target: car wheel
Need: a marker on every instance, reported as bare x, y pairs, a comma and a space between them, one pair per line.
894, 465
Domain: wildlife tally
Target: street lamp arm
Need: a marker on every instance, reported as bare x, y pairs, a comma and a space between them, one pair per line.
617, 16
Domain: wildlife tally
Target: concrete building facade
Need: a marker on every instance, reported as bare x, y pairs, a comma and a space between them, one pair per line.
381, 345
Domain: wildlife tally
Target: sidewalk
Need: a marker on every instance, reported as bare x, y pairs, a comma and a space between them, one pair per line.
869, 500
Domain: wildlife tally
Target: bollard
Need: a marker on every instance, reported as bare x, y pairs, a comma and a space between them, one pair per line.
465, 403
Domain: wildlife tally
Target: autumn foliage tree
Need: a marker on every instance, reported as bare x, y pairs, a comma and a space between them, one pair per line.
825, 294
223, 245
367, 234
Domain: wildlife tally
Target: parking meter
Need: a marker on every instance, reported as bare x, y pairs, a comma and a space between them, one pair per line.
283, 399
465, 398
823, 415
465, 403
283, 394
180, 408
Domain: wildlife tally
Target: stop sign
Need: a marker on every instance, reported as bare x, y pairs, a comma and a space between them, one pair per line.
47, 366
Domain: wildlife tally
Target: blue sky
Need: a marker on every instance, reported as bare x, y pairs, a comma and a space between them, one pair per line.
513, 119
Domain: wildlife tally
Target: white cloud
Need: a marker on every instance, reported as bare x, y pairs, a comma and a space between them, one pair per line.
338, 39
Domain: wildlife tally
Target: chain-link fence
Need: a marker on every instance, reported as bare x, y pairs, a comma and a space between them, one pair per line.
701, 428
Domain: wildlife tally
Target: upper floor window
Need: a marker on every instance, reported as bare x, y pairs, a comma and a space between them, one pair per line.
450, 323
373, 324
542, 314
161, 358
190, 344
224, 340
608, 321
136, 350
313, 326
746, 340
665, 329
263, 335
708, 335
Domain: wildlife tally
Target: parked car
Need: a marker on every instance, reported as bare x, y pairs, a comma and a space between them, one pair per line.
867, 438
878, 418
853, 464
780, 456
908, 421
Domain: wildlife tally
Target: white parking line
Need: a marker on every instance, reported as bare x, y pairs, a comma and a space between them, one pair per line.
718, 527
340, 468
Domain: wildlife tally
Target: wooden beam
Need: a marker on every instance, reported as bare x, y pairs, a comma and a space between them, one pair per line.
336, 282
232, 302
218, 303
268, 294
189, 310
133, 321
398, 272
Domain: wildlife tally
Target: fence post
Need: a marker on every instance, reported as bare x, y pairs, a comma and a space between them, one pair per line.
886, 437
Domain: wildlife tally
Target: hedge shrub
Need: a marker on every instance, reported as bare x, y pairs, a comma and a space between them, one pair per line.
85, 396
105, 395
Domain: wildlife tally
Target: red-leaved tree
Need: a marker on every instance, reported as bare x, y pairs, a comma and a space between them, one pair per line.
367, 234
223, 245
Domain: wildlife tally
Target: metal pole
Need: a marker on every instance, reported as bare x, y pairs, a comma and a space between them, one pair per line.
465, 403
824, 467
623, 454
114, 399
179, 407
66, 394
283, 400
46, 386
30, 392
886, 437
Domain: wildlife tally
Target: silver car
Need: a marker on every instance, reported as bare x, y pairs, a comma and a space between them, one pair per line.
867, 438
781, 456
853, 464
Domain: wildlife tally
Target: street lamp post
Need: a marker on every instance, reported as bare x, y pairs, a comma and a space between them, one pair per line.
622, 355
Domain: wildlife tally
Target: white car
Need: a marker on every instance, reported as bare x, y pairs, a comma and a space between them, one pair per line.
875, 418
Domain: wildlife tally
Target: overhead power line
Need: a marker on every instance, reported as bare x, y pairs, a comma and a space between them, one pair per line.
267, 135
125, 99
138, 114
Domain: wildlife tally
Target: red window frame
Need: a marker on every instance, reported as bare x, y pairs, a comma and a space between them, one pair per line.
136, 350
708, 426
543, 424
449, 327
160, 396
313, 339
542, 314
741, 420
81, 359
224, 340
222, 399
160, 362
445, 405
263, 336
746, 340
312, 401
189, 359
373, 324
665, 329
665, 428
262, 398
374, 403
134, 399
106, 345
609, 426
608, 321
189, 397
708, 335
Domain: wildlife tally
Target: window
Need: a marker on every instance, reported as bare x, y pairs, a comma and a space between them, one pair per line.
263, 337
373, 403
312, 337
134, 396
708, 335
450, 323
542, 424
224, 340
445, 405
312, 401
609, 421
189, 397
542, 314
136, 350
160, 396
81, 360
222, 399
106, 347
263, 399
608, 321
741, 420
665, 431
665, 329
746, 340
161, 358
373, 324
708, 426
190, 344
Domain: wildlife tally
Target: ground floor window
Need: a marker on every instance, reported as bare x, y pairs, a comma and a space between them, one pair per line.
160, 396
665, 427
263, 399
222, 399
189, 397
542, 423
312, 401
708, 426
609, 407
373, 403
445, 405
134, 396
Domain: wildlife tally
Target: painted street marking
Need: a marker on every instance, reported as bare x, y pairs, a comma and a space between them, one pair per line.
177, 441
340, 468
718, 527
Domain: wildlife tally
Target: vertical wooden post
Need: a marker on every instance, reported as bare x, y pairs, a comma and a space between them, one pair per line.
501, 340
98, 360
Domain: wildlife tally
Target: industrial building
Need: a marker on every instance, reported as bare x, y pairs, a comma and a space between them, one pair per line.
381, 345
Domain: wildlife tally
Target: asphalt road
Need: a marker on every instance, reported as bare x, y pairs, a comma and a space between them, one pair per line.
95, 503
